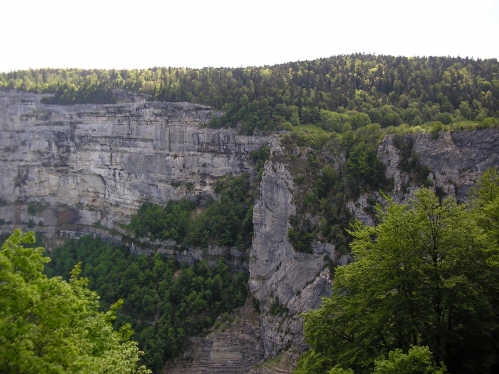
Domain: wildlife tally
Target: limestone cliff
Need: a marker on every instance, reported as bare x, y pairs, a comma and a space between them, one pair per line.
454, 160
68, 170
73, 169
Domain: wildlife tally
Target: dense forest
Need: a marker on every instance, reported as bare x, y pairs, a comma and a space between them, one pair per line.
336, 93
164, 302
227, 220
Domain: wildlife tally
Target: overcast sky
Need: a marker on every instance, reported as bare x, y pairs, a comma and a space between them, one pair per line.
197, 33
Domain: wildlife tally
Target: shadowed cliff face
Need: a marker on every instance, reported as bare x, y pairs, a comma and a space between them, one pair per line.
90, 167
454, 161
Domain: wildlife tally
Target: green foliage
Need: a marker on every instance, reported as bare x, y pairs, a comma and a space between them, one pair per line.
312, 362
258, 157
486, 206
164, 303
170, 222
88, 93
48, 325
338, 370
337, 93
309, 135
325, 182
224, 221
425, 275
418, 360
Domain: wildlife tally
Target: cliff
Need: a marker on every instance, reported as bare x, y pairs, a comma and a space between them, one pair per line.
296, 281
70, 170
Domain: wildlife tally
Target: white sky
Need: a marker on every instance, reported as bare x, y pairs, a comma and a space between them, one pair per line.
196, 33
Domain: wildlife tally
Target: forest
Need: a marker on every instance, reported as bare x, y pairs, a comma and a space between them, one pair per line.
163, 302
226, 221
337, 93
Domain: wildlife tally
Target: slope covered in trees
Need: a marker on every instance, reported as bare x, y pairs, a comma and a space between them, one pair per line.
164, 302
336, 93
426, 276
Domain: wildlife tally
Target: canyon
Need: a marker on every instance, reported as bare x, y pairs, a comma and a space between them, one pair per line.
73, 170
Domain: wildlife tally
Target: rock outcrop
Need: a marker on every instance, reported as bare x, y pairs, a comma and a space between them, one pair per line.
233, 347
285, 282
454, 160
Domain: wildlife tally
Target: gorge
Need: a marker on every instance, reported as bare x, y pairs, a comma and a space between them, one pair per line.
73, 170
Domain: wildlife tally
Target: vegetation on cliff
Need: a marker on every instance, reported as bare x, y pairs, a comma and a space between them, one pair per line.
226, 220
164, 302
425, 276
48, 325
337, 93
329, 169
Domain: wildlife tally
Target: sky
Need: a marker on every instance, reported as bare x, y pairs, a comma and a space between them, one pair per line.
198, 33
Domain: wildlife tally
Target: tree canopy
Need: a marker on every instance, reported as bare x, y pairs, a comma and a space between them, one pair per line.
336, 93
226, 220
48, 325
163, 301
426, 275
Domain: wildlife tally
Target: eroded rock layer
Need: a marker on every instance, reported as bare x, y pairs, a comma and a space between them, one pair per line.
87, 168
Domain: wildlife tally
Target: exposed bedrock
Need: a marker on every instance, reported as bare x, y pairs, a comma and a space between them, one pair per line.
287, 282
68, 170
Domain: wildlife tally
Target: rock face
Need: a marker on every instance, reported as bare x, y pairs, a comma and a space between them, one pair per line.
287, 282
454, 160
72, 169
233, 348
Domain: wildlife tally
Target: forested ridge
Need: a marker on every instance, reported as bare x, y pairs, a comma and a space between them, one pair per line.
337, 93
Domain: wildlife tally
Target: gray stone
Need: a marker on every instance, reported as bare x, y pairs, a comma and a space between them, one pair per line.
92, 166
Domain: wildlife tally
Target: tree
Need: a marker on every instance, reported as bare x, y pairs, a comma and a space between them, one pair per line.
417, 361
423, 276
48, 325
